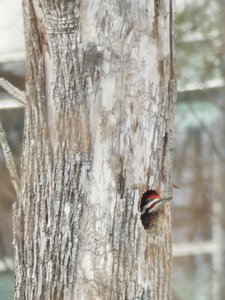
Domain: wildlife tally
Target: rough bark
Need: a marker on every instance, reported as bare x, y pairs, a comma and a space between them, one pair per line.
98, 133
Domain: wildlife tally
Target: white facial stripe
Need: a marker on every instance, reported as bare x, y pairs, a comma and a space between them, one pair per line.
157, 206
145, 208
148, 205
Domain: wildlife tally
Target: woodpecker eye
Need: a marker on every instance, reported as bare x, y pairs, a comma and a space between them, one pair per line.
147, 197
148, 201
150, 194
151, 201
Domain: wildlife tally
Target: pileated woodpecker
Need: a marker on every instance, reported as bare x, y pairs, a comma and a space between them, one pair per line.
150, 203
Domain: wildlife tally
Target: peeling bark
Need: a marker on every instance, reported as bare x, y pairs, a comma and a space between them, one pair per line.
98, 134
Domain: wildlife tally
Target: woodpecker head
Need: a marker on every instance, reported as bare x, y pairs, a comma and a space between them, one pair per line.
150, 203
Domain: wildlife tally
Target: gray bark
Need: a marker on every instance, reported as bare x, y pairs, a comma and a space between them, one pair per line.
98, 133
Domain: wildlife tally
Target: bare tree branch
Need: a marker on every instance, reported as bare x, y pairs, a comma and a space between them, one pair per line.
14, 91
10, 164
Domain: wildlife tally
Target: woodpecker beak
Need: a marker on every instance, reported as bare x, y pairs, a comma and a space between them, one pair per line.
165, 199
155, 205
150, 203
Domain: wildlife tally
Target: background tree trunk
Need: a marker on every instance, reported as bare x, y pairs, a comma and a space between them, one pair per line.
98, 133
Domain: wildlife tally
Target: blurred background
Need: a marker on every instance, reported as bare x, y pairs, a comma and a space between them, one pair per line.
12, 68
199, 158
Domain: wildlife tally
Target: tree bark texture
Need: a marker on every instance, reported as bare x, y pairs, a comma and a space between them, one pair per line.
98, 134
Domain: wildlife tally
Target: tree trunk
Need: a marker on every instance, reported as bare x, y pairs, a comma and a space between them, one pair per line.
98, 133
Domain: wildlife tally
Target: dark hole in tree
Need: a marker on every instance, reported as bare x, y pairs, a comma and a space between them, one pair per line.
147, 198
